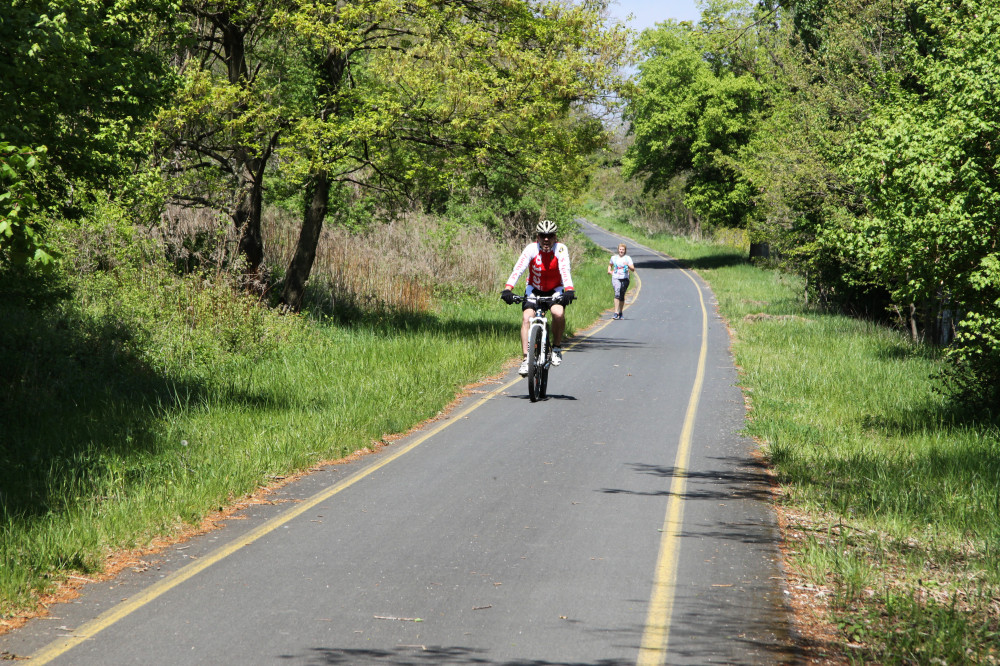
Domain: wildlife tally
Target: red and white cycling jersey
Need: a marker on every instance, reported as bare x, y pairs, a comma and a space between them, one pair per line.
549, 270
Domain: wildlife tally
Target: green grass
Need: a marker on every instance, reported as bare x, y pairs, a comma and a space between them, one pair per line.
133, 404
895, 498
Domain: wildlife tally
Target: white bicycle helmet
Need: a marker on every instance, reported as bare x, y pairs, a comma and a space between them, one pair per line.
546, 227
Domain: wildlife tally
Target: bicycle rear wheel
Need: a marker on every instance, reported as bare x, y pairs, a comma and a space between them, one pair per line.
536, 361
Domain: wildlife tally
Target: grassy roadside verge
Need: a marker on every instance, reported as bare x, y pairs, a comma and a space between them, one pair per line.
136, 405
891, 507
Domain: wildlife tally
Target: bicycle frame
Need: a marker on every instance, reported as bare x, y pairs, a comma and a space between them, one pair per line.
541, 322
539, 350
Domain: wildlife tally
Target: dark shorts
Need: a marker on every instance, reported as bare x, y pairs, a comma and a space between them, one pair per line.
621, 286
526, 304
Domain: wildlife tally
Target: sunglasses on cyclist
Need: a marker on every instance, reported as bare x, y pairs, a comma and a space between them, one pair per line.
546, 236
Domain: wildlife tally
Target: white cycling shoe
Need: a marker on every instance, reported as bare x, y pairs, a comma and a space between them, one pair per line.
523, 370
556, 356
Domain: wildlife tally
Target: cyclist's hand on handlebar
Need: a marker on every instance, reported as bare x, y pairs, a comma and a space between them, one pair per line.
567, 297
507, 296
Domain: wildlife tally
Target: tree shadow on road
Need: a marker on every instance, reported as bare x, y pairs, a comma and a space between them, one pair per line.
654, 262
429, 654
736, 478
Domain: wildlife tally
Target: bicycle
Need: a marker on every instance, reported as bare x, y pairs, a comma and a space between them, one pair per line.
539, 349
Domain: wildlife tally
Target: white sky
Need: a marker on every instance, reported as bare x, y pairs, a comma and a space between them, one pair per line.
649, 12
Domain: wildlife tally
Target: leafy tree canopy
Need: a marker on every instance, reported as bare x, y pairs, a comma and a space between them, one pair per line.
77, 76
20, 240
693, 110
413, 101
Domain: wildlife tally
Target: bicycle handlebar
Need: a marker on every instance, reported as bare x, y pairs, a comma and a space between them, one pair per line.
541, 300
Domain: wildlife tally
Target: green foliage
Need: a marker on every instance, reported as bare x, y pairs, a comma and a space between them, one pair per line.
691, 115
510, 207
444, 96
229, 103
926, 163
20, 237
78, 76
825, 67
367, 109
973, 378
610, 194
106, 237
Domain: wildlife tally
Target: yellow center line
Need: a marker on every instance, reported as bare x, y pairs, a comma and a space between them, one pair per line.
653, 649
656, 634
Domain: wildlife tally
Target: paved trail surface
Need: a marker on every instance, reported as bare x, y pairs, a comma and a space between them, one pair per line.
621, 521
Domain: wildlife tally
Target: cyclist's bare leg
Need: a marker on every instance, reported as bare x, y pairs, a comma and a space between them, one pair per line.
558, 324
525, 328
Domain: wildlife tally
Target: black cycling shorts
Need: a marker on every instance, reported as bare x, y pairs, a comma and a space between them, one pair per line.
527, 305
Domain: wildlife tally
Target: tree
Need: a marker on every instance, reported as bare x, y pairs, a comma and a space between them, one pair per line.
20, 241
409, 100
218, 135
926, 161
877, 171
79, 77
693, 111
423, 99
825, 64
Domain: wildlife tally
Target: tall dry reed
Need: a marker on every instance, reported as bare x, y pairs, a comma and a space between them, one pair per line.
398, 265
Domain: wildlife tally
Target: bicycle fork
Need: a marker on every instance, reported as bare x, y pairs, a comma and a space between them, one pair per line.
546, 356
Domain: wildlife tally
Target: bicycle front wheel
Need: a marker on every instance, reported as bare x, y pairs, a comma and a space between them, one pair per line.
536, 363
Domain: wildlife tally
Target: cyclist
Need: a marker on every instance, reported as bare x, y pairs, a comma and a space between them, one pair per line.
549, 275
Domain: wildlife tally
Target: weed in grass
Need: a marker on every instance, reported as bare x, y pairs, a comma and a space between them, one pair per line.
832, 560
907, 627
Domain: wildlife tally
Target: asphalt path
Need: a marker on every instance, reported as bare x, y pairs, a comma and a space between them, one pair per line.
623, 520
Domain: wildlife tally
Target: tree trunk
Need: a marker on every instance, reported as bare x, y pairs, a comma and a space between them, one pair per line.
318, 198
248, 160
247, 221
331, 72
